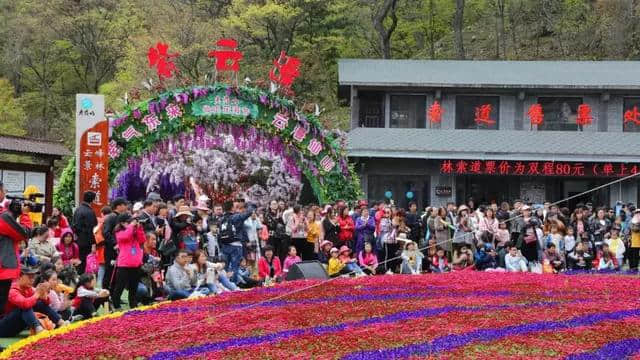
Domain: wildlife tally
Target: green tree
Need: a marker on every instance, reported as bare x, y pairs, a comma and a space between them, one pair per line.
12, 116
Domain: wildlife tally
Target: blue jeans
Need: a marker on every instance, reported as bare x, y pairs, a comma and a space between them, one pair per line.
224, 281
206, 290
353, 267
142, 292
233, 254
101, 270
179, 294
17, 320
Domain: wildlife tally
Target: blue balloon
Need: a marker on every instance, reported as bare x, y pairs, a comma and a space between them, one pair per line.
409, 195
388, 194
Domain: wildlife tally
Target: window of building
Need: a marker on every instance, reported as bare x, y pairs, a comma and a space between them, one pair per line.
477, 112
560, 113
408, 111
371, 109
631, 115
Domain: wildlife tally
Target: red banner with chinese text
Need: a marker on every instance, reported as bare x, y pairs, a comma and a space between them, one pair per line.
537, 168
94, 164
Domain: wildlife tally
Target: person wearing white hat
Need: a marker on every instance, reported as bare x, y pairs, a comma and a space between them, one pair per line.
137, 207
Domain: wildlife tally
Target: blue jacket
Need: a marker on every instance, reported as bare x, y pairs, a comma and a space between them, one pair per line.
237, 220
483, 260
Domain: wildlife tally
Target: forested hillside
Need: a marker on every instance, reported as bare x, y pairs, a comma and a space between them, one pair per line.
50, 50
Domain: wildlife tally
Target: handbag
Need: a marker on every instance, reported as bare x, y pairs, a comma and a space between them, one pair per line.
44, 321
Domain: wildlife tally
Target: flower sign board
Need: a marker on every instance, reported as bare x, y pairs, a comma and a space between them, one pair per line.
219, 103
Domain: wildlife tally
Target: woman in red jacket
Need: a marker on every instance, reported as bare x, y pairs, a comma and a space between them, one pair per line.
130, 238
347, 228
269, 266
11, 235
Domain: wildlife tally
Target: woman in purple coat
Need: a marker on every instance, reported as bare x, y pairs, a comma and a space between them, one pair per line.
365, 226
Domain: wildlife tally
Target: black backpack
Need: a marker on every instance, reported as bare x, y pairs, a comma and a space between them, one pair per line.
227, 233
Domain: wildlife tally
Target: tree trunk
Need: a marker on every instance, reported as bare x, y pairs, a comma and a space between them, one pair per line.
458, 24
388, 8
432, 40
500, 33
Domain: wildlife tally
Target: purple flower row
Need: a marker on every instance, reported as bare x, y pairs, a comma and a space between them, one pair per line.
613, 350
324, 329
454, 341
378, 297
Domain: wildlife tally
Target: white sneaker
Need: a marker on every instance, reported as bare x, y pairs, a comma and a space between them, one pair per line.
389, 272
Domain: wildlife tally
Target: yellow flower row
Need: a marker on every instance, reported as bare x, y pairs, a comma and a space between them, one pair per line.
6, 354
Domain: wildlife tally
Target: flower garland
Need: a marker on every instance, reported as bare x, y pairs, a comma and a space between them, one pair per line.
182, 111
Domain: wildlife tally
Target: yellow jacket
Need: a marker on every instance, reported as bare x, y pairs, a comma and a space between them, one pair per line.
335, 265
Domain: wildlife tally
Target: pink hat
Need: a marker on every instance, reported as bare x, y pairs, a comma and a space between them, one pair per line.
326, 242
202, 205
333, 249
345, 248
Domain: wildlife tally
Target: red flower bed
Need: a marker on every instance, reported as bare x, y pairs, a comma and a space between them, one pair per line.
457, 315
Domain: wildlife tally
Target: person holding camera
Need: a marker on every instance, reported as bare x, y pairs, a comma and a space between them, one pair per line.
130, 238
231, 234
11, 235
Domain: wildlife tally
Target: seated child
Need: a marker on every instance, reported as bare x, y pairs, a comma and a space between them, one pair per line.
368, 259
349, 263
336, 267
439, 263
606, 260
323, 253
245, 281
87, 300
411, 259
292, 258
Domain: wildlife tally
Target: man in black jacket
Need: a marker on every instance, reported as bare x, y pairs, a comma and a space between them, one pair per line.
147, 216
84, 220
119, 206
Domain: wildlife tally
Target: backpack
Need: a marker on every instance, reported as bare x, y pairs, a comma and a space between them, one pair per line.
227, 233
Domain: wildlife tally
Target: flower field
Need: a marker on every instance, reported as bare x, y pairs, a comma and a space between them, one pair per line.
446, 316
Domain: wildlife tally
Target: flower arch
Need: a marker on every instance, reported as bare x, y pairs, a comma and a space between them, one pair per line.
223, 141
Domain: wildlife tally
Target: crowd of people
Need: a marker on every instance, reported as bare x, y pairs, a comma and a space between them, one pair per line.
67, 269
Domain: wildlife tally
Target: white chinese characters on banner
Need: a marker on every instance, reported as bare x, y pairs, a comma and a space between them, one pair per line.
95, 181
327, 163
152, 122
280, 121
130, 133
114, 149
314, 147
299, 133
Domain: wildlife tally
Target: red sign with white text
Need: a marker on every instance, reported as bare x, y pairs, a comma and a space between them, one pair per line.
537, 168
94, 164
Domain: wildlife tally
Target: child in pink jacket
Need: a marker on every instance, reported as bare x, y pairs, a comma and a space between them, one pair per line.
130, 238
291, 259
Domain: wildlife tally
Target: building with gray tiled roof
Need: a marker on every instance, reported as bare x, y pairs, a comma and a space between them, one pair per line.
485, 145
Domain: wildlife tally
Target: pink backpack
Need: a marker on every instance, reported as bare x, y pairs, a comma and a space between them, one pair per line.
92, 264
